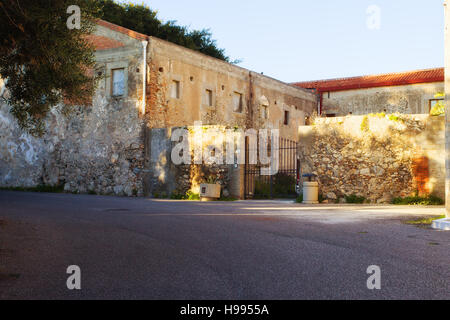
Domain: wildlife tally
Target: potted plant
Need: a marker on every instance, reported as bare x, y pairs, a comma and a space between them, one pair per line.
210, 190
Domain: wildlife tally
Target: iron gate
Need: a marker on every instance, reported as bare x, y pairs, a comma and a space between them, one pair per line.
283, 184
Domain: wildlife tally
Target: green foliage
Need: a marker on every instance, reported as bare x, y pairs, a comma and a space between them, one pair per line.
39, 188
211, 179
176, 196
188, 196
438, 109
191, 196
227, 199
44, 62
377, 115
430, 200
283, 185
365, 124
423, 221
262, 189
141, 18
394, 117
354, 199
321, 198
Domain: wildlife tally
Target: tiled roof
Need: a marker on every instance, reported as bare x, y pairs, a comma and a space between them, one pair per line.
128, 32
381, 80
103, 43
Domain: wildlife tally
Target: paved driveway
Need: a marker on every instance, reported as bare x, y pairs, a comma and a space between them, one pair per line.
146, 249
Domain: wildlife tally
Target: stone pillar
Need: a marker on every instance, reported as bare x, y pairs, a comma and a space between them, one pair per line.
447, 106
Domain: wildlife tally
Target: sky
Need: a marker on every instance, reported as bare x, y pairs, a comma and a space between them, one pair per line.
300, 40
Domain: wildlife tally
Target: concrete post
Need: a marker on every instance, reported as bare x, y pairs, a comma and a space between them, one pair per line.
444, 224
447, 105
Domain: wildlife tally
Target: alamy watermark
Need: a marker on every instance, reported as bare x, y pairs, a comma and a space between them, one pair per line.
74, 20
374, 281
215, 146
74, 280
373, 21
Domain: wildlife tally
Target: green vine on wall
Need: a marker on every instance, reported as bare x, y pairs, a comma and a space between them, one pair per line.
365, 124
439, 108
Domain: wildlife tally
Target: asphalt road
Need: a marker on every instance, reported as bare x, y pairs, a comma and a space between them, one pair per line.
146, 249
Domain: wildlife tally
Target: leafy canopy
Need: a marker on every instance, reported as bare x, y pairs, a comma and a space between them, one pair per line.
42, 60
142, 19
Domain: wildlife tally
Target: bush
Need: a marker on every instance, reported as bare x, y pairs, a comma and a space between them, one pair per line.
283, 185
39, 188
393, 117
365, 124
354, 199
176, 196
192, 196
299, 198
227, 199
321, 198
262, 189
188, 196
423, 201
438, 109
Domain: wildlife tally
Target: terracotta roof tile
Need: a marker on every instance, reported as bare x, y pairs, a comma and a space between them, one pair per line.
128, 32
372, 81
103, 43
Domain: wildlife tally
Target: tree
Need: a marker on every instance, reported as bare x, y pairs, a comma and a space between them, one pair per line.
142, 19
42, 61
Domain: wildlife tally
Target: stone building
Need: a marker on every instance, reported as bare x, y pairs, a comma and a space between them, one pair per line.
121, 143
411, 92
382, 143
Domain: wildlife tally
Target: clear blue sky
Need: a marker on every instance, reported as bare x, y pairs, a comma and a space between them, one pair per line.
296, 40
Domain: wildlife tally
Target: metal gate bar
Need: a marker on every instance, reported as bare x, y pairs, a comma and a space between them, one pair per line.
281, 185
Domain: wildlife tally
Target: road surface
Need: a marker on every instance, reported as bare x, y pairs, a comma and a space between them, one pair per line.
135, 248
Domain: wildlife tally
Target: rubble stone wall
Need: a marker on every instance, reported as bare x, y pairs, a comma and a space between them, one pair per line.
377, 156
96, 149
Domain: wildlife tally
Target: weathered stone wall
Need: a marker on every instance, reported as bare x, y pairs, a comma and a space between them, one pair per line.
377, 156
96, 149
197, 73
164, 178
106, 148
408, 99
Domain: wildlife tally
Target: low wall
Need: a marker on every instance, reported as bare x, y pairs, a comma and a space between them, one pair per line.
376, 156
97, 149
163, 178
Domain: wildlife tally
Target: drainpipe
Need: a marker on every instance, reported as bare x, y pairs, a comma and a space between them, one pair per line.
144, 77
320, 102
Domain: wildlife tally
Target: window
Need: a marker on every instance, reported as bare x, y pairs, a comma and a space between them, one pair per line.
264, 106
286, 118
175, 89
264, 112
433, 102
237, 102
209, 97
118, 82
